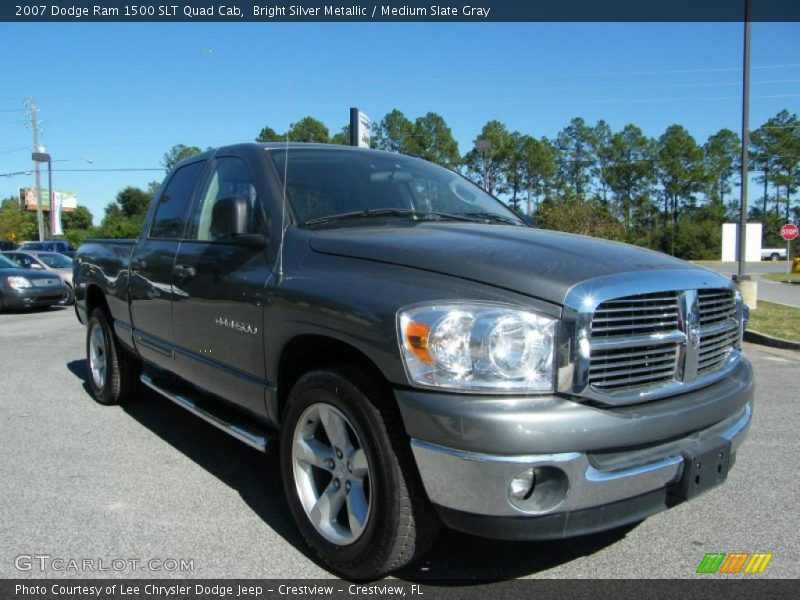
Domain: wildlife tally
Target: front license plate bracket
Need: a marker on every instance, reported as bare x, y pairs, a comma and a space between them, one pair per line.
704, 470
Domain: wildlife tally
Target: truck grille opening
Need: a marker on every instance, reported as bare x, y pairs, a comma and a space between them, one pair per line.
636, 340
625, 350
719, 329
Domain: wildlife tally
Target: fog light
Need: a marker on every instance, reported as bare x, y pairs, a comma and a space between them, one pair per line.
521, 486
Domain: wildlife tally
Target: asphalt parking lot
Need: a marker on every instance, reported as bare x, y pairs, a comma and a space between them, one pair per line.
152, 482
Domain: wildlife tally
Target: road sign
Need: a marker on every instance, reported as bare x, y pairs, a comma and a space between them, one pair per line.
789, 232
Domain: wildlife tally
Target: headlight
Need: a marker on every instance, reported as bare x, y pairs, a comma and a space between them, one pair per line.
477, 347
18, 283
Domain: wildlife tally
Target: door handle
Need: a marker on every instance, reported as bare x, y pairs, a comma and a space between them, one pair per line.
138, 264
183, 271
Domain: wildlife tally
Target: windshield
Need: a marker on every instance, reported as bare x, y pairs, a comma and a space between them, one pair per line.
324, 183
55, 260
6, 263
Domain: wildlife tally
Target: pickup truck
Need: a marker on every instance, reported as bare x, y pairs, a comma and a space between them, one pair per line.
773, 254
415, 352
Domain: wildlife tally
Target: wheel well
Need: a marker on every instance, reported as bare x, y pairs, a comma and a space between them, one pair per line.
307, 352
94, 299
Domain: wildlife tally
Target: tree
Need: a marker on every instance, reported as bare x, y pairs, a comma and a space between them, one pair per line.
785, 152
513, 167
268, 134
722, 156
629, 171
394, 133
124, 217
488, 167
309, 129
600, 143
577, 216
343, 137
680, 169
177, 154
433, 141
538, 167
17, 225
133, 202
574, 158
78, 219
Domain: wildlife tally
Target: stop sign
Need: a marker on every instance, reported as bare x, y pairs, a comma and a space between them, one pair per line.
789, 232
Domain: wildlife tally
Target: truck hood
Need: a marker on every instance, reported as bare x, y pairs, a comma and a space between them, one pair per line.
535, 262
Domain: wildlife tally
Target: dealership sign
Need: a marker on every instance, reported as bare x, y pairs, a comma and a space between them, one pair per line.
27, 199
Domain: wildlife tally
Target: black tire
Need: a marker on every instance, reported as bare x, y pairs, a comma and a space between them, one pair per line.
120, 382
774, 257
70, 299
401, 524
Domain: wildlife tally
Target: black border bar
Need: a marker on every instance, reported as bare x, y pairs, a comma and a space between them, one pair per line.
706, 587
441, 11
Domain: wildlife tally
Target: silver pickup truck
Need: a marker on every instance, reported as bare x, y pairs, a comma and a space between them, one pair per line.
416, 352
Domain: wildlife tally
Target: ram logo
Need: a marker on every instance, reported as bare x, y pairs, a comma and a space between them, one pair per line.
236, 325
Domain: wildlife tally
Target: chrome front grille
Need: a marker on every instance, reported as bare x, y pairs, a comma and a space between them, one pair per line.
719, 328
628, 367
716, 306
652, 340
634, 341
646, 335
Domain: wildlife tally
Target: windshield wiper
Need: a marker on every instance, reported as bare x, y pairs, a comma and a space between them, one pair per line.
385, 212
490, 216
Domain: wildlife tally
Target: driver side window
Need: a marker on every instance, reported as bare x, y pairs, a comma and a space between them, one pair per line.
229, 177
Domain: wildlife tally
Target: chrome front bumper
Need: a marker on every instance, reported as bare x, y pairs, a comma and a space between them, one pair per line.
478, 483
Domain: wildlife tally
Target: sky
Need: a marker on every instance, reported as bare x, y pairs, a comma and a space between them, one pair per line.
118, 96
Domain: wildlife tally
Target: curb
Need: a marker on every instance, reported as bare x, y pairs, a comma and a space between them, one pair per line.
767, 340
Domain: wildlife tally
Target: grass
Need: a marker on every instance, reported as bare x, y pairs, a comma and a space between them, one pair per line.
782, 276
776, 320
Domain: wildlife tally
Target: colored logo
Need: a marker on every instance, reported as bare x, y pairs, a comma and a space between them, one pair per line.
734, 562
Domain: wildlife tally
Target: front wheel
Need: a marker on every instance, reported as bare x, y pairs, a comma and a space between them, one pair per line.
349, 477
775, 257
113, 371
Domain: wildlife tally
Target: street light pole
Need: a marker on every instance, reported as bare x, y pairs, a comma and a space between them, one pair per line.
40, 157
50, 193
37, 149
742, 255
744, 282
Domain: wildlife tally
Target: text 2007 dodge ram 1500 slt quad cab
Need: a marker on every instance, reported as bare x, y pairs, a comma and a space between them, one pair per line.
417, 352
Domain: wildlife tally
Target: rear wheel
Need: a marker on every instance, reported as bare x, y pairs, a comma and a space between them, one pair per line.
113, 371
775, 256
349, 478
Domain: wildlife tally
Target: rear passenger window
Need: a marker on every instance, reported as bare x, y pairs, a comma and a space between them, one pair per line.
171, 211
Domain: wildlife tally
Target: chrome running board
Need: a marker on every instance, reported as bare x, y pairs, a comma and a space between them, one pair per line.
243, 433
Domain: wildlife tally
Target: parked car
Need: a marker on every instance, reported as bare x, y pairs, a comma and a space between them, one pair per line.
773, 254
28, 288
417, 353
61, 246
7, 245
61, 264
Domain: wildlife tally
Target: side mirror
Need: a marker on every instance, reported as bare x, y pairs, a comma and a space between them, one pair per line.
230, 219
36, 266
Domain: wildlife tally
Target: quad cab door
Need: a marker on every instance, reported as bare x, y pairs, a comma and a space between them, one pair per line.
151, 266
219, 287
